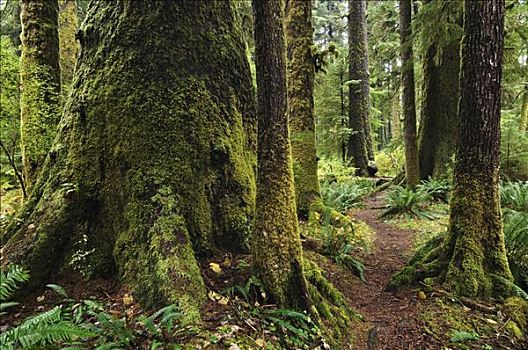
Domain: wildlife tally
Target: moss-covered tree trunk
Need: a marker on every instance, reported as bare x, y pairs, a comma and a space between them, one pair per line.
40, 84
276, 244
69, 46
523, 124
155, 162
473, 251
412, 171
359, 143
438, 123
476, 241
301, 75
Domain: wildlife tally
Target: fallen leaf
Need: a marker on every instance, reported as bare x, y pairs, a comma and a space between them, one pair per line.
421, 295
127, 299
260, 343
216, 268
223, 301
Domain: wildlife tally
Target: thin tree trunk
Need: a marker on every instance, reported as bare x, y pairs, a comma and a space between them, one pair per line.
69, 46
412, 171
301, 75
40, 84
523, 124
360, 143
438, 125
276, 245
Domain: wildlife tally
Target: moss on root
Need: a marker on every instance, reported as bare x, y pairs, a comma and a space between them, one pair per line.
329, 305
155, 164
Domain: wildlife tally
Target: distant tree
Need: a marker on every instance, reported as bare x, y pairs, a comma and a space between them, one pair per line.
276, 244
440, 91
473, 251
40, 83
154, 164
301, 74
360, 143
412, 172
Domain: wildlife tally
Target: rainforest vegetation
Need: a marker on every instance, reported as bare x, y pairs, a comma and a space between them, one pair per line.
264, 174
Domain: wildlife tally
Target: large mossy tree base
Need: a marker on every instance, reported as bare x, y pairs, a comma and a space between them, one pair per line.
154, 164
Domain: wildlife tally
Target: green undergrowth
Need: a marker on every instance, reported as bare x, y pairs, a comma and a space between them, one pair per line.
459, 325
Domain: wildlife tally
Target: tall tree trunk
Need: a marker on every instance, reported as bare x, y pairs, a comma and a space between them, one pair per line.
69, 47
154, 163
359, 143
438, 123
301, 75
412, 171
40, 83
523, 124
476, 241
473, 251
276, 245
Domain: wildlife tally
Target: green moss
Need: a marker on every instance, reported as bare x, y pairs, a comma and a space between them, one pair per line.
517, 309
40, 84
156, 154
300, 76
69, 46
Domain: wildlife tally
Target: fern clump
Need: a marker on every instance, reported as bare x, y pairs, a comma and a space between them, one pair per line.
345, 195
516, 237
438, 189
10, 280
406, 202
86, 324
514, 195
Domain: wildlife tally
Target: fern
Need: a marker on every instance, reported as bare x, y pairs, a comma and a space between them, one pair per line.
345, 195
516, 237
514, 195
515, 288
406, 202
460, 336
43, 329
438, 189
10, 281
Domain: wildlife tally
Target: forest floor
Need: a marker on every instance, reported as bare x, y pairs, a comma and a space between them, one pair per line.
391, 321
415, 318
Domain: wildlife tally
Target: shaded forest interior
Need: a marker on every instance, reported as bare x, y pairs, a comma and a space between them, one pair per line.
264, 174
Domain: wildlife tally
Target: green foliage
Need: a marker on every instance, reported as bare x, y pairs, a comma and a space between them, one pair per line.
461, 336
438, 189
516, 238
406, 202
514, 147
391, 159
340, 244
10, 280
514, 195
87, 324
295, 330
10, 154
345, 195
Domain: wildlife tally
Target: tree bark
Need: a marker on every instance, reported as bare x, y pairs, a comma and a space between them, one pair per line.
69, 47
40, 84
276, 245
468, 258
440, 97
154, 164
438, 124
412, 172
301, 75
359, 143
476, 240
523, 124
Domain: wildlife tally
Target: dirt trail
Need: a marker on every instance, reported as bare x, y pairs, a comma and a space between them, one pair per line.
391, 321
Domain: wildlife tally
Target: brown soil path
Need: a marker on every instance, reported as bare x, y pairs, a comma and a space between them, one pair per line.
391, 321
